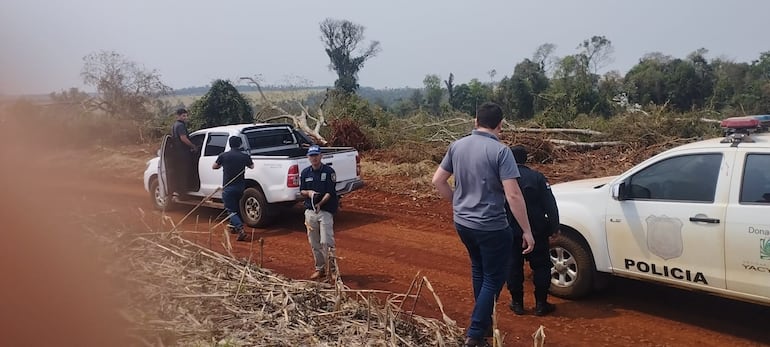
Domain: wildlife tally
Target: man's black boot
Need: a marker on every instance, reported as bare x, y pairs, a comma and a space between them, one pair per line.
517, 307
543, 308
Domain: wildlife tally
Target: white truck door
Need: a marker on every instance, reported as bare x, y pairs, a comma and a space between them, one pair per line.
162, 169
211, 179
670, 225
747, 245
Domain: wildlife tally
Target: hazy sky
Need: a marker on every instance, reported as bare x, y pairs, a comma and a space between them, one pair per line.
191, 43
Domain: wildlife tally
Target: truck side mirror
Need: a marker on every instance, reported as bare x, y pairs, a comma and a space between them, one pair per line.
619, 191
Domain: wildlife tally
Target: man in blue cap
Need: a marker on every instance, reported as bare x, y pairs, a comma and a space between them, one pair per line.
318, 184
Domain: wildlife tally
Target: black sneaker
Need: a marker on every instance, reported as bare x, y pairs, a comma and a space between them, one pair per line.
232, 229
517, 308
471, 342
242, 235
544, 308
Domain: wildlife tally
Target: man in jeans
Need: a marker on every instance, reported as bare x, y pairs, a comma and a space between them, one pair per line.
234, 163
485, 178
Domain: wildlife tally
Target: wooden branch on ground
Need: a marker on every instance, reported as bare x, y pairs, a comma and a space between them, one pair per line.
510, 127
444, 123
556, 130
585, 145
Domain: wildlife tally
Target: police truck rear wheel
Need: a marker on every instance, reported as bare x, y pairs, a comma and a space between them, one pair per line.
573, 268
255, 211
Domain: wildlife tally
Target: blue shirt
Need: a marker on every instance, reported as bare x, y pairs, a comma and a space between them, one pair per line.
233, 163
479, 163
323, 180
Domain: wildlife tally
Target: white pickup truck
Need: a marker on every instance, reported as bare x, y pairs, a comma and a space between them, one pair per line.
696, 216
279, 155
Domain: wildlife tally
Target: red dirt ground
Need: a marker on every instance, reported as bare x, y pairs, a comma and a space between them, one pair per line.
383, 240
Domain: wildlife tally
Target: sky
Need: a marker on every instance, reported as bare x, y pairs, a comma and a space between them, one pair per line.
192, 42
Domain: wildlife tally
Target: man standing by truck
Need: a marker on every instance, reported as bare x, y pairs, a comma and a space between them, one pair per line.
485, 178
544, 221
180, 157
318, 184
234, 163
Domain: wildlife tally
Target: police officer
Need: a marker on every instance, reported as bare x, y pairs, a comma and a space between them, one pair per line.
544, 221
318, 184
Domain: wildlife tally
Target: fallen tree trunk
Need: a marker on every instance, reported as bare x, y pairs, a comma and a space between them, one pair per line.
556, 130
585, 145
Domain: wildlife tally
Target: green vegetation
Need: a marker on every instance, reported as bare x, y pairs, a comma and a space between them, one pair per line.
222, 105
659, 98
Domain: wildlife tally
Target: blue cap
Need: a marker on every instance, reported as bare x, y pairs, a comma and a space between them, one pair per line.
314, 150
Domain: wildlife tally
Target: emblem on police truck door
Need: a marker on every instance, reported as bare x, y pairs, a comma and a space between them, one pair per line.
764, 249
664, 236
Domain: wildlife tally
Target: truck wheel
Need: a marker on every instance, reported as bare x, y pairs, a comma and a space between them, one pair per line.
159, 201
573, 268
255, 210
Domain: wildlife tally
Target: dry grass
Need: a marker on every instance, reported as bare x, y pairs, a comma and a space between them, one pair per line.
183, 294
412, 179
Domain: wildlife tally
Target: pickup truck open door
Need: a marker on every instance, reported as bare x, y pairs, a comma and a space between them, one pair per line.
163, 193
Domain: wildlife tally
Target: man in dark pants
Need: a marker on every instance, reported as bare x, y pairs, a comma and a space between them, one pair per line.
234, 163
180, 157
485, 178
544, 221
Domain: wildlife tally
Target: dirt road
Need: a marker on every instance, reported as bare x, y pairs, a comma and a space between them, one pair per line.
383, 241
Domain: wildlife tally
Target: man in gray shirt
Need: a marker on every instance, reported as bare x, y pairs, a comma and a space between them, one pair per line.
485, 178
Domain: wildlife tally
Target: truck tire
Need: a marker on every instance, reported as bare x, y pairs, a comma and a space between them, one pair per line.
158, 201
255, 210
573, 267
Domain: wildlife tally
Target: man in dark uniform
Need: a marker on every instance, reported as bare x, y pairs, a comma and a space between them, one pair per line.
544, 221
234, 163
318, 184
180, 158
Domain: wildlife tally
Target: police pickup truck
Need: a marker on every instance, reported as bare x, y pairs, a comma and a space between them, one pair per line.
696, 216
279, 155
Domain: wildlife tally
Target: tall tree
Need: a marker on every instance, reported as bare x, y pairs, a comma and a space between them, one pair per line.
531, 80
542, 53
221, 105
597, 52
450, 85
124, 88
433, 93
341, 39
468, 96
646, 79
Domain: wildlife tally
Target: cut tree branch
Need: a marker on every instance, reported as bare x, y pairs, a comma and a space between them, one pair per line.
300, 121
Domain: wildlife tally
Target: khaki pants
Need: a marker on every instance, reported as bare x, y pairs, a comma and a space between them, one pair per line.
320, 234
